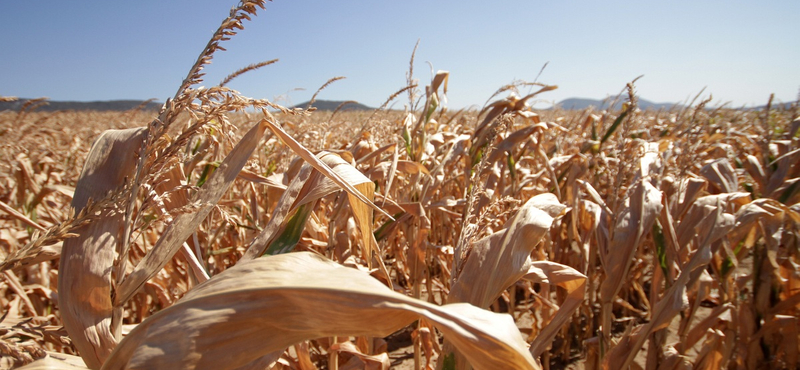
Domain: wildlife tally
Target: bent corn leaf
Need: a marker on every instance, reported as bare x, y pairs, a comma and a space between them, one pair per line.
566, 277
260, 307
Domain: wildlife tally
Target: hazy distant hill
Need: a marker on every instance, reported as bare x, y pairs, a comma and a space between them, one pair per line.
110, 105
784, 106
580, 103
331, 105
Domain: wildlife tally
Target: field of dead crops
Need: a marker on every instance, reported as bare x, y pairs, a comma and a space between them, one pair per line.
225, 232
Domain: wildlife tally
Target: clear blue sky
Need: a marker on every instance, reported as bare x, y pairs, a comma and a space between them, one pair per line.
741, 51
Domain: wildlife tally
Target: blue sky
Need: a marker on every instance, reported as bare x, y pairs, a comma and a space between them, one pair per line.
740, 51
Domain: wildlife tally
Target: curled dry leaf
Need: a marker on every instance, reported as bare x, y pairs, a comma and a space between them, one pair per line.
511, 104
722, 175
84, 278
367, 362
692, 188
502, 258
566, 277
651, 160
361, 211
258, 308
756, 171
514, 139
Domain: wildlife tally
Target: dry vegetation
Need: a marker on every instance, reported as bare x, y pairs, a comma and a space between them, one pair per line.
207, 237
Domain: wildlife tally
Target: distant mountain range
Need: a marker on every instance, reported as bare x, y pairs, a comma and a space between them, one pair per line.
324, 105
109, 105
580, 103
331, 105
123, 105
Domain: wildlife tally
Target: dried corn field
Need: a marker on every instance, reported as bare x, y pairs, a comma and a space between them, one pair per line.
225, 232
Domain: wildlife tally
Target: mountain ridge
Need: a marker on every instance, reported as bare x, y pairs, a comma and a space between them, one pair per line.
331, 105
100, 105
583, 103
323, 105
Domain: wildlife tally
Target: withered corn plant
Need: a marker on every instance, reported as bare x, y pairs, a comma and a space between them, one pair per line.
226, 232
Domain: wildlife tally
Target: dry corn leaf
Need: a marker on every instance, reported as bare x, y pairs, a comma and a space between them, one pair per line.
320, 186
502, 258
260, 307
391, 172
711, 357
19, 216
650, 161
411, 168
319, 165
84, 275
635, 221
721, 174
509, 143
35, 254
440, 78
674, 361
50, 363
496, 109
366, 362
26, 183
592, 192
674, 299
566, 277
701, 215
363, 215
258, 179
265, 238
691, 189
185, 224
642, 208
787, 169
438, 174
756, 171
171, 186
719, 314
308, 188
375, 154
432, 94
304, 361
